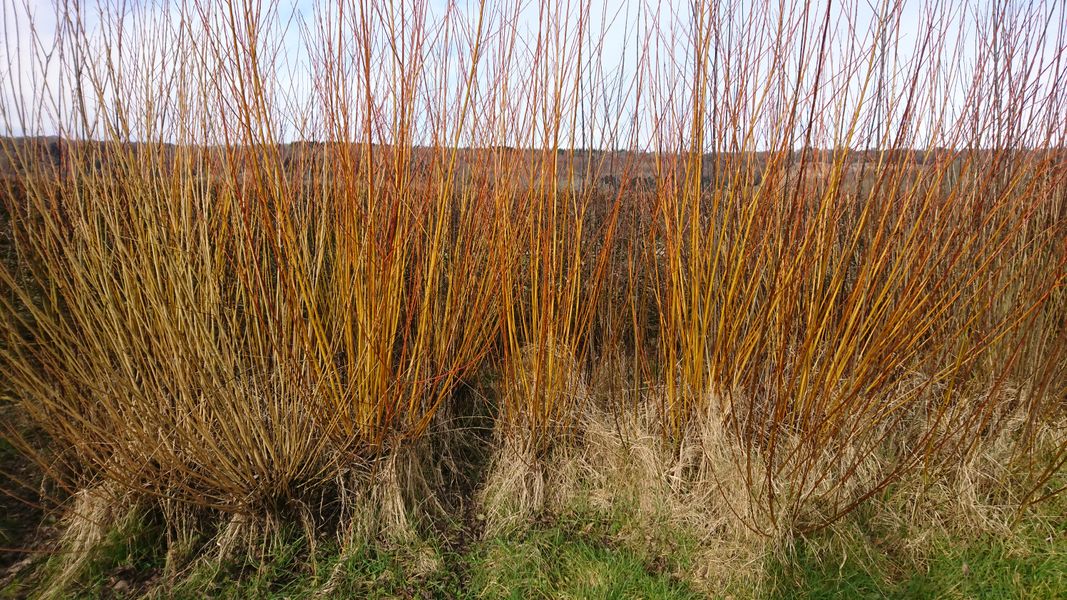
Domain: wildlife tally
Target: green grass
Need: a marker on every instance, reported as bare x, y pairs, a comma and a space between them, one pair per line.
991, 568
130, 555
564, 561
280, 574
584, 555
559, 561
852, 563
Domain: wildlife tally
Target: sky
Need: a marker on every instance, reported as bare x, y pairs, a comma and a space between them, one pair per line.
635, 77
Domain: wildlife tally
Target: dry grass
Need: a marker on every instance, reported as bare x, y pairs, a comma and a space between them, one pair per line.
743, 323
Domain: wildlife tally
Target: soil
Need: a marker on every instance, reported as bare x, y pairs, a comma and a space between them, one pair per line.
25, 526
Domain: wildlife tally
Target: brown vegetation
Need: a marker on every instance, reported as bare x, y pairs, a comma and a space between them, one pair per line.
203, 317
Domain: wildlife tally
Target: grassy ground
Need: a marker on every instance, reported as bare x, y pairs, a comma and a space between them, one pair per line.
875, 552
857, 564
584, 556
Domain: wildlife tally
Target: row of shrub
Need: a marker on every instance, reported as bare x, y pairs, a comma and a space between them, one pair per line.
198, 313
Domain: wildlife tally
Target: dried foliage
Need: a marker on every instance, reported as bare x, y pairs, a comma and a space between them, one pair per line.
827, 255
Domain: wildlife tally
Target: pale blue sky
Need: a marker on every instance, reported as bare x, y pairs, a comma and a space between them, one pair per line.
32, 92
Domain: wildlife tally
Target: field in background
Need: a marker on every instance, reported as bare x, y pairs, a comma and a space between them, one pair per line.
807, 303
